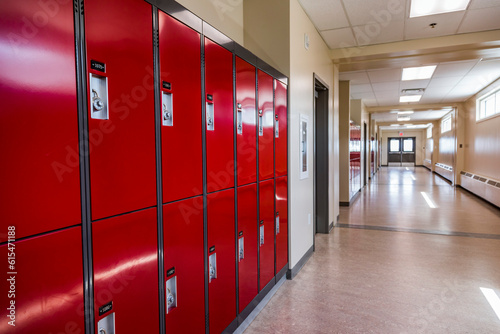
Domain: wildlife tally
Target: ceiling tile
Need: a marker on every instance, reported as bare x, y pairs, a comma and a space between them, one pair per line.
361, 88
363, 96
481, 20
454, 69
385, 75
325, 14
374, 33
436, 99
362, 12
391, 86
339, 38
438, 82
388, 101
477, 4
356, 78
370, 102
447, 24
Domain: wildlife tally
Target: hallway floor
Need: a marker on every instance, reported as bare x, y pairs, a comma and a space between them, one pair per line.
396, 265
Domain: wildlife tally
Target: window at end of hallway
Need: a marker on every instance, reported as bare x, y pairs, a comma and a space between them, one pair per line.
488, 105
429, 132
446, 124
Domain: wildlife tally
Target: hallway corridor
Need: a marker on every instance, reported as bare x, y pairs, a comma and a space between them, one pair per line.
396, 265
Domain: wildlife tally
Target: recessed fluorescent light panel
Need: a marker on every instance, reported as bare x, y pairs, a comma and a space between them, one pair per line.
409, 112
395, 125
433, 7
403, 119
418, 73
410, 98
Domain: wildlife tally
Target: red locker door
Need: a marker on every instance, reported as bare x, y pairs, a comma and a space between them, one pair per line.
266, 126
38, 119
180, 65
281, 134
281, 217
126, 273
48, 287
184, 266
120, 70
221, 258
219, 117
245, 122
266, 232
247, 244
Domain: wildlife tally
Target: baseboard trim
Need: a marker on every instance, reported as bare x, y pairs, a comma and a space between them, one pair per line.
291, 273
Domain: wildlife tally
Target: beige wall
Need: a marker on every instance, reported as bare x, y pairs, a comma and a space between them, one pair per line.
303, 64
419, 135
267, 32
482, 140
225, 15
447, 143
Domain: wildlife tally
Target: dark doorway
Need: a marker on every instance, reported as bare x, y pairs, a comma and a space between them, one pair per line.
401, 151
321, 180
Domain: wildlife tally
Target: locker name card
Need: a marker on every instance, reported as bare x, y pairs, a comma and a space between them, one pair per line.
98, 66
105, 308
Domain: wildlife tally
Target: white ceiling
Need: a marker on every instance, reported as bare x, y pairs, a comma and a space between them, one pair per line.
451, 82
347, 23
358, 23
417, 116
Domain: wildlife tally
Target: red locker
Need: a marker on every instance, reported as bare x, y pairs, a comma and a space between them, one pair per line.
281, 217
221, 258
247, 244
180, 66
266, 232
38, 118
126, 273
184, 266
219, 116
266, 126
121, 106
48, 287
245, 123
281, 121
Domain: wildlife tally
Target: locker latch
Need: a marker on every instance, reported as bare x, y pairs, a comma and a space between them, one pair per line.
167, 109
107, 324
212, 267
277, 222
210, 112
277, 128
239, 120
262, 233
241, 249
98, 97
261, 125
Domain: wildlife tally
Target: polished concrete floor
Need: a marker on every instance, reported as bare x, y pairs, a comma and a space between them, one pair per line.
396, 265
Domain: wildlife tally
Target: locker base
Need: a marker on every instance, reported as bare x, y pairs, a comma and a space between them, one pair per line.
232, 327
253, 309
282, 272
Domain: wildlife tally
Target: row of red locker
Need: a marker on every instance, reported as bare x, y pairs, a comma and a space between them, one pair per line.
48, 286
41, 182
39, 120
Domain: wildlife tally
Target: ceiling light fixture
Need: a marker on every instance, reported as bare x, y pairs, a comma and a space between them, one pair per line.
395, 125
409, 112
404, 119
418, 73
431, 7
410, 98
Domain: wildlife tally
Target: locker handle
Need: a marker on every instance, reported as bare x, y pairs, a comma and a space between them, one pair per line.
261, 125
167, 109
210, 116
239, 119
